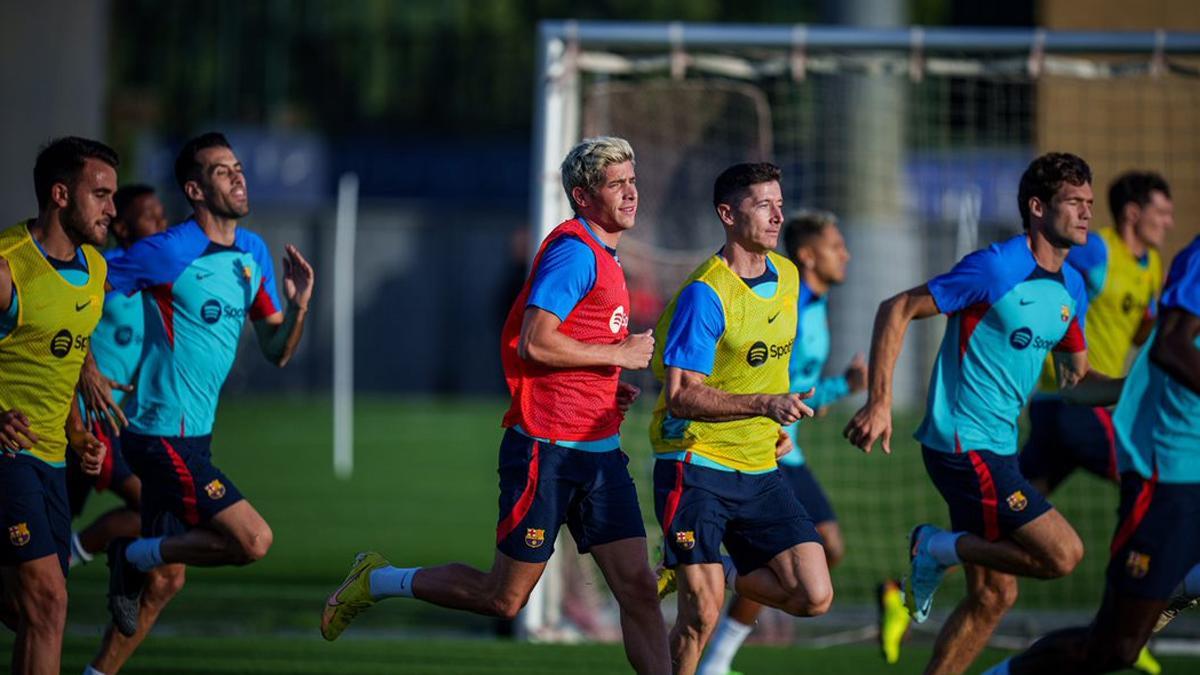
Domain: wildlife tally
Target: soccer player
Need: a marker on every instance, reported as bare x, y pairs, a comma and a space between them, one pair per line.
717, 426
200, 280
51, 297
815, 245
1009, 304
1123, 273
1157, 543
564, 344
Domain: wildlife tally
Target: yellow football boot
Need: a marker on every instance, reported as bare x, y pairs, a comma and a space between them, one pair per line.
352, 597
893, 620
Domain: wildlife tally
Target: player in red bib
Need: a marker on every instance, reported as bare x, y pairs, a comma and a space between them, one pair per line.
563, 346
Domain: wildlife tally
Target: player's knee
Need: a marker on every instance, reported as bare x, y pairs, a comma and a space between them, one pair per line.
507, 605
257, 544
813, 601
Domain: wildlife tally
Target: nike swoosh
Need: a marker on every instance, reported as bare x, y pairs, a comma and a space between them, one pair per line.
79, 307
333, 601
772, 319
200, 276
1027, 302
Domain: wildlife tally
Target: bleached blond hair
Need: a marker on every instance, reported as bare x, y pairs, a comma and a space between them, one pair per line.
586, 163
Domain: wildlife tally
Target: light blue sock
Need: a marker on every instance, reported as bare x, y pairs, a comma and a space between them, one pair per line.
145, 553
392, 582
944, 547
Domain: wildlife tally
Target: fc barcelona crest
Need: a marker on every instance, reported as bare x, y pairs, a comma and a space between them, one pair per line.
1017, 501
534, 538
685, 539
19, 534
215, 489
1065, 313
1137, 564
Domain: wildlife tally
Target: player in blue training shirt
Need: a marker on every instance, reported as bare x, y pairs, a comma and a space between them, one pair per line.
200, 279
1156, 547
814, 243
1009, 304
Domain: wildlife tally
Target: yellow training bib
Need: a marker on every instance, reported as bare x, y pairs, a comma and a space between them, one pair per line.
40, 359
752, 357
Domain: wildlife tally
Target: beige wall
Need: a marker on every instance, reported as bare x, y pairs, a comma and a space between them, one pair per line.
1120, 124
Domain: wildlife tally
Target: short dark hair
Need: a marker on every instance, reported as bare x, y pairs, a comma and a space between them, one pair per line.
1046, 174
739, 177
61, 160
804, 226
127, 194
186, 166
1137, 187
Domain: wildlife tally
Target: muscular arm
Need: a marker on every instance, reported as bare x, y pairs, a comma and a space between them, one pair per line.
688, 397
1174, 349
279, 333
542, 343
874, 420
6, 286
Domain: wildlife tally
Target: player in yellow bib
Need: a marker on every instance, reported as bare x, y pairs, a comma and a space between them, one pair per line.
717, 426
51, 297
1123, 273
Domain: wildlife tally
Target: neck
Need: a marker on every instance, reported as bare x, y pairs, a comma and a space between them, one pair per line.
217, 228
1048, 256
815, 283
610, 238
55, 240
1135, 245
744, 262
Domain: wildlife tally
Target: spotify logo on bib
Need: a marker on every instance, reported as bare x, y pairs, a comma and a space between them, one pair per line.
60, 344
757, 354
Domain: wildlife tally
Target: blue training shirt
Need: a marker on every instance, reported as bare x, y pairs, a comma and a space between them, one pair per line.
1005, 313
809, 356
1157, 421
117, 340
197, 296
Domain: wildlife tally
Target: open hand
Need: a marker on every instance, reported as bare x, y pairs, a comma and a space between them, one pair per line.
297, 277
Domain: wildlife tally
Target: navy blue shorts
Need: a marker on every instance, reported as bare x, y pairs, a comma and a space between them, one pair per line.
180, 486
113, 472
756, 515
1065, 437
1157, 539
33, 511
802, 481
986, 492
543, 485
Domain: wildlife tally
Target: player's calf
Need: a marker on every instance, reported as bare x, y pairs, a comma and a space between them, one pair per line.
42, 597
994, 594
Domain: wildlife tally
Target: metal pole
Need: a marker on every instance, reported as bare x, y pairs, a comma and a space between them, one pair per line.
343, 326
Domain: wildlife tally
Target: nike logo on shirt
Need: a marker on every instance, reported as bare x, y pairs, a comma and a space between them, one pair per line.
79, 307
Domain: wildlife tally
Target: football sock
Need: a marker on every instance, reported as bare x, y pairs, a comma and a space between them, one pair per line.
145, 553
392, 582
724, 646
944, 547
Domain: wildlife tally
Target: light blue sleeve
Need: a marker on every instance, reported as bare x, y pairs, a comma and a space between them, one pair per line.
696, 327
1183, 283
565, 273
829, 390
1091, 260
967, 283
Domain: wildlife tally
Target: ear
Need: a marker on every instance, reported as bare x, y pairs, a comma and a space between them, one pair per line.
1037, 208
193, 192
1130, 213
806, 257
725, 213
60, 195
580, 195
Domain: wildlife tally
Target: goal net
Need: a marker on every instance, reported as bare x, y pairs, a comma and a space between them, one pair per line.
917, 141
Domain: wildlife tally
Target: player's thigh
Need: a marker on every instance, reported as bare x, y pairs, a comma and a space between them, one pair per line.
692, 504
1049, 536
40, 584
985, 492
1157, 540
535, 488
240, 521
34, 510
768, 521
1122, 626
605, 507
803, 568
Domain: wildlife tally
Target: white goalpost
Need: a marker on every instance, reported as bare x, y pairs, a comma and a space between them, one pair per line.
916, 138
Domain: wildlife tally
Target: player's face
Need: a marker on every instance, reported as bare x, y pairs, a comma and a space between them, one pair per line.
758, 217
1156, 217
223, 183
830, 255
144, 217
1069, 215
90, 210
613, 205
